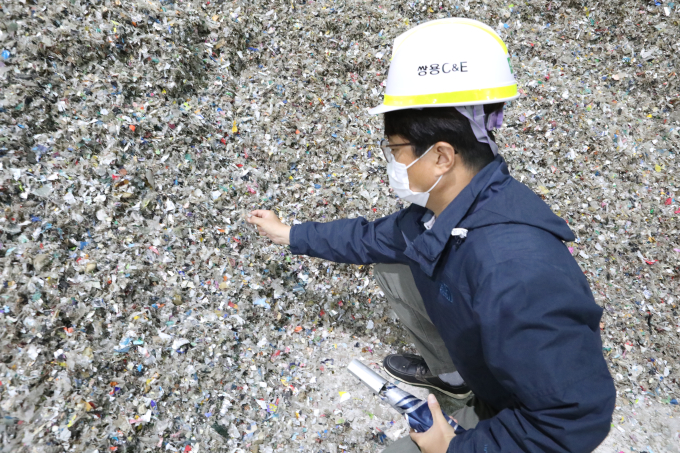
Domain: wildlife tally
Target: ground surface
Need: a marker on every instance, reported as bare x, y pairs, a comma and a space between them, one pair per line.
140, 313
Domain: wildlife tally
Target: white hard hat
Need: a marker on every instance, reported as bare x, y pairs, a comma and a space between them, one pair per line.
448, 62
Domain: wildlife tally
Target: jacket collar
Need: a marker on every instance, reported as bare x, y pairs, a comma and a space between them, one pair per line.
427, 247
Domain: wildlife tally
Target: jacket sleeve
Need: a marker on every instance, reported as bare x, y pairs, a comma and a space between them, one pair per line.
355, 241
541, 339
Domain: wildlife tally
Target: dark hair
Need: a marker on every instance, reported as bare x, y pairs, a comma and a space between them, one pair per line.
423, 128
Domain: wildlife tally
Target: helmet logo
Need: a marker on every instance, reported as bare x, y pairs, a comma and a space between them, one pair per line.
446, 68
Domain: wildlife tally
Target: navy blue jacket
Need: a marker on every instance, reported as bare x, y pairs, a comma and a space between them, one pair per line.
511, 303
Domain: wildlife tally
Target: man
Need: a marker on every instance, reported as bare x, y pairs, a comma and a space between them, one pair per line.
476, 267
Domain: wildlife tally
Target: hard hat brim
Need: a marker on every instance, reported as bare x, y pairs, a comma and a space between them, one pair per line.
382, 108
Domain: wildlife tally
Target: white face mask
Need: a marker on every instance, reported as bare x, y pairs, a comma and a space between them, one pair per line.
398, 174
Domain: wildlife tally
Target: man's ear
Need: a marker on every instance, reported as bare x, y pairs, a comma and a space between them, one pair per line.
446, 157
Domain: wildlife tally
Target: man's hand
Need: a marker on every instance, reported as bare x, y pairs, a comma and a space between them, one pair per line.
438, 437
269, 225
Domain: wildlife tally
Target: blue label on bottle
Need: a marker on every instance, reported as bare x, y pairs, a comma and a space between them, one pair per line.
421, 420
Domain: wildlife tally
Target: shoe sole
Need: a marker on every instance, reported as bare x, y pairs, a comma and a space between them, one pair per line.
458, 396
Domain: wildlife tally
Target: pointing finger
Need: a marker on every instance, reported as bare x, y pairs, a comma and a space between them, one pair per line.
259, 213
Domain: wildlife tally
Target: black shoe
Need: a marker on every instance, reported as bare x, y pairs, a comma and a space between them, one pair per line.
413, 370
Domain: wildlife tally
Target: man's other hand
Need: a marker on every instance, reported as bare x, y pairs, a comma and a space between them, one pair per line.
439, 436
269, 225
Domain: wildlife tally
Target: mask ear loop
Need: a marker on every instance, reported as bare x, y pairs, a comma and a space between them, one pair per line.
481, 124
422, 155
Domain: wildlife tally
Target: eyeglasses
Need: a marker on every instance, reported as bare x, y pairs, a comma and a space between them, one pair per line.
387, 148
